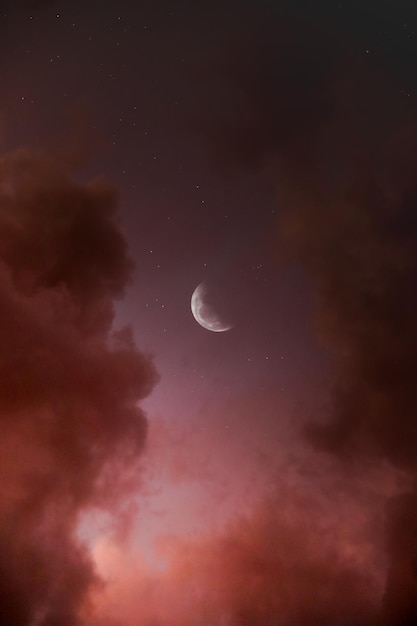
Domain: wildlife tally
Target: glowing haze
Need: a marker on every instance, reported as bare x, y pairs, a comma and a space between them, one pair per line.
152, 473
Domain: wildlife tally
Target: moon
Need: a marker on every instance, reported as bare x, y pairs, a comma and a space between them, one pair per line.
204, 314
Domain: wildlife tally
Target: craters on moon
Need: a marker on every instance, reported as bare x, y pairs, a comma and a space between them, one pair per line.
203, 312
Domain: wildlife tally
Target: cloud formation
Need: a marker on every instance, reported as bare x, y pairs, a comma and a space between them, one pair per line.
338, 140
291, 557
337, 136
69, 385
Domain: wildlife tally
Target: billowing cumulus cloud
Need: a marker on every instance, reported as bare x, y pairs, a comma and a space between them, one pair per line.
334, 541
71, 427
292, 557
337, 136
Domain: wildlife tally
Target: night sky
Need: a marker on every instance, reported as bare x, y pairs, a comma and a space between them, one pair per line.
155, 473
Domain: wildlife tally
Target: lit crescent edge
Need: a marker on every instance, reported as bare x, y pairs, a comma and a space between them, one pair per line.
207, 320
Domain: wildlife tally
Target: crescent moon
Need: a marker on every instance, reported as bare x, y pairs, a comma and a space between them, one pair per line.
204, 314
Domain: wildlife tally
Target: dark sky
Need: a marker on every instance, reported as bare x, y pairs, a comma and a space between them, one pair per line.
156, 473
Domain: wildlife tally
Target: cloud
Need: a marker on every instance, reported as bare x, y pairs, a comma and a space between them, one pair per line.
337, 137
293, 558
71, 427
336, 544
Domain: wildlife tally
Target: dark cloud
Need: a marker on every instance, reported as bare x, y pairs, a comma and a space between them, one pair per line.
71, 426
271, 567
400, 599
337, 135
